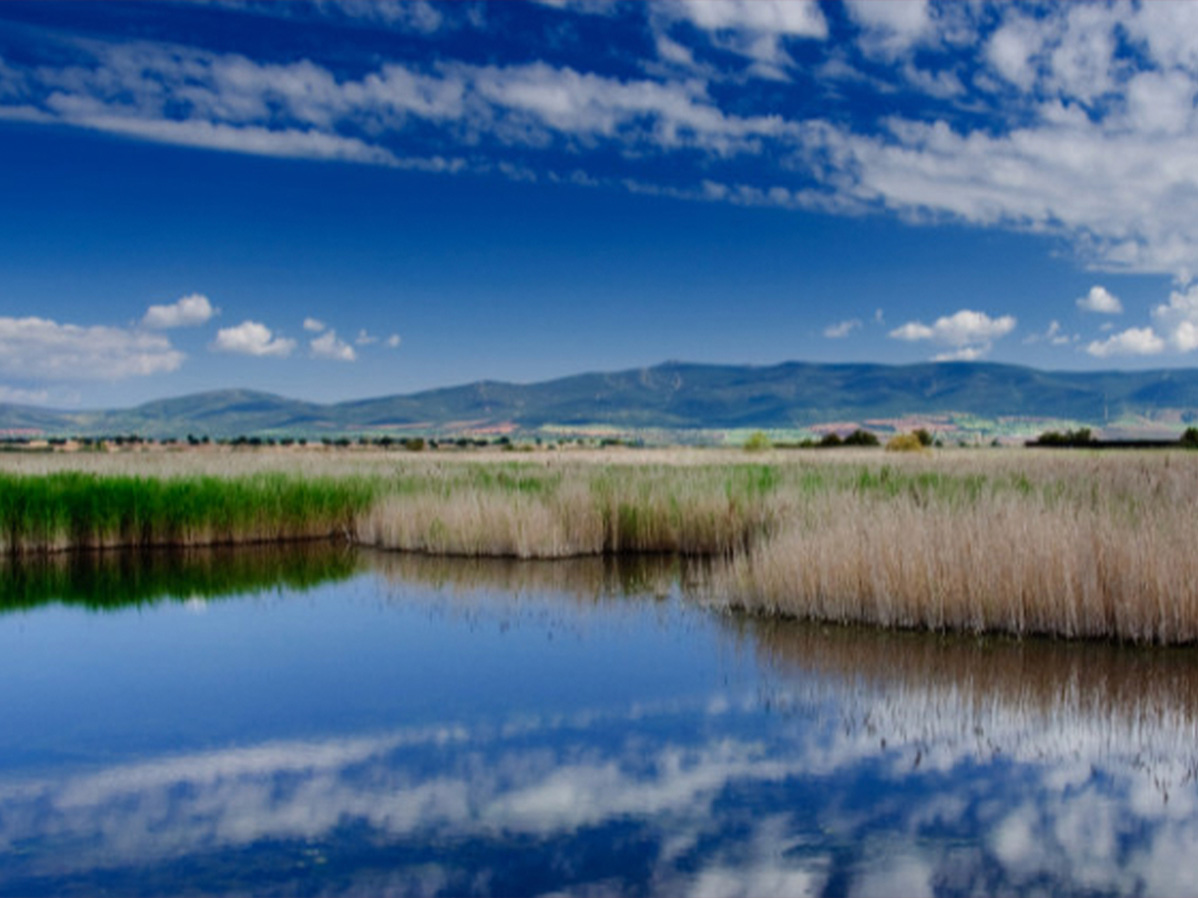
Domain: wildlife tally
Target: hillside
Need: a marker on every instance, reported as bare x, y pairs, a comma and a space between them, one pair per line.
673, 395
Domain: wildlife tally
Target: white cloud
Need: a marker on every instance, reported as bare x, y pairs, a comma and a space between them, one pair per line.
964, 354
842, 328
959, 329
764, 16
330, 346
1101, 301
44, 349
315, 325
1178, 319
393, 341
189, 311
252, 338
890, 28
753, 29
1133, 341
1012, 47
364, 338
970, 333
1067, 136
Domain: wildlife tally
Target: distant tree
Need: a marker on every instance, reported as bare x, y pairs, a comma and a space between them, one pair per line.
1189, 439
861, 438
1083, 436
757, 442
925, 438
831, 440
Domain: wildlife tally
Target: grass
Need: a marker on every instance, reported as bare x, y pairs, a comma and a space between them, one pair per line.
72, 509
1024, 542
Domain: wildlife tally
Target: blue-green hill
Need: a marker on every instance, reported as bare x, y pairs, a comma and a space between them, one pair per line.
672, 395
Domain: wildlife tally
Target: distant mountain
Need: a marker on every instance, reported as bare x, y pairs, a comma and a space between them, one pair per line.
674, 395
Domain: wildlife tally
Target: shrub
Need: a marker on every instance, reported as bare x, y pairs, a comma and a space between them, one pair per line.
757, 442
1189, 439
925, 438
831, 439
905, 442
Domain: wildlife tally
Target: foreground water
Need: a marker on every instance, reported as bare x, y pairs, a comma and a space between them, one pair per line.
322, 722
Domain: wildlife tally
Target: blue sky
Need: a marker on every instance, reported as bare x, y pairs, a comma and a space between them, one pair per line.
347, 199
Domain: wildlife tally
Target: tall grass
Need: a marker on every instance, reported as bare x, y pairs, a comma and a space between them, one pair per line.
1102, 548
79, 510
525, 511
1024, 542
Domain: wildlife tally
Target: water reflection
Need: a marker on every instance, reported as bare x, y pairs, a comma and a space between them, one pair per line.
810, 760
111, 580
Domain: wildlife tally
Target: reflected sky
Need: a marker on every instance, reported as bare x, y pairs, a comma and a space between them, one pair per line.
426, 728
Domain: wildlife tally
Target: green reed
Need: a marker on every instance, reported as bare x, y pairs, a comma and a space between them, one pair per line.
83, 510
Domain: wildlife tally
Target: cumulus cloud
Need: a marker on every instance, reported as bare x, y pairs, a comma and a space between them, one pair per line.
314, 325
1178, 319
393, 341
365, 338
329, 346
1133, 341
188, 311
44, 349
842, 328
252, 338
1101, 301
970, 332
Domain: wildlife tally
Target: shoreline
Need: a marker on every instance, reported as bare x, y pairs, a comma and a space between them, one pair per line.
1009, 542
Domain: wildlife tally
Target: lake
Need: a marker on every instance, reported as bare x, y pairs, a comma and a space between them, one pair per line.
315, 720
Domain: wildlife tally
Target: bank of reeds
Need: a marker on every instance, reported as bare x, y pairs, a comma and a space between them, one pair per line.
1100, 551
1022, 542
70, 509
526, 511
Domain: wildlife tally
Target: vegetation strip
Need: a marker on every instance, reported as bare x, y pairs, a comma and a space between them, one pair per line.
1023, 542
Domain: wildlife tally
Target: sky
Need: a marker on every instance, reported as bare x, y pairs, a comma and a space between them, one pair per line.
344, 199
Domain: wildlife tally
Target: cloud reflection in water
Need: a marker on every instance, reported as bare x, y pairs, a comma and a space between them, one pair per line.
862, 762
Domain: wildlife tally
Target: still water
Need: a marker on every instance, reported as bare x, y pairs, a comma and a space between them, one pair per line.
319, 721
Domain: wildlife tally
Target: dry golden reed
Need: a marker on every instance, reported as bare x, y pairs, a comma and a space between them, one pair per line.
1072, 544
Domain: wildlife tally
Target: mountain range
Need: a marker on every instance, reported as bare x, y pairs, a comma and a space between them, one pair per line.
671, 396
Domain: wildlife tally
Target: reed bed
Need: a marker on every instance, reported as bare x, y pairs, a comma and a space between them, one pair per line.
79, 510
560, 512
1079, 544
1103, 549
